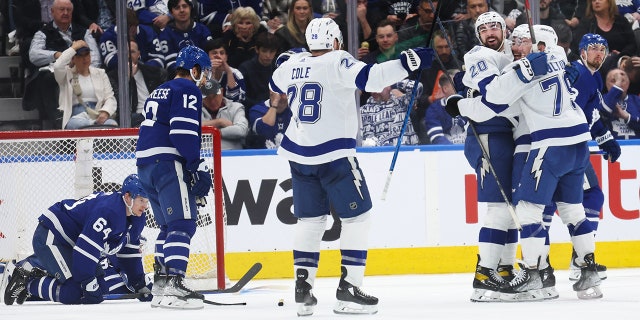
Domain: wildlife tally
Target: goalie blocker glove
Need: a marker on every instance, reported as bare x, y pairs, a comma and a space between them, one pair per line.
535, 64
609, 146
416, 58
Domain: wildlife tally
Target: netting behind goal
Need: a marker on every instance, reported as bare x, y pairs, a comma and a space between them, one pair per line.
40, 168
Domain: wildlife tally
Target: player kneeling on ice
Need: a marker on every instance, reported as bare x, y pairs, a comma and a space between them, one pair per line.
85, 248
320, 146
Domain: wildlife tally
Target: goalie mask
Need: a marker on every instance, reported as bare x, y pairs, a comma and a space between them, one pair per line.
133, 186
321, 33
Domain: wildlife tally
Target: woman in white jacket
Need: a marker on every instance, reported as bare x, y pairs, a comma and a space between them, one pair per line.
86, 96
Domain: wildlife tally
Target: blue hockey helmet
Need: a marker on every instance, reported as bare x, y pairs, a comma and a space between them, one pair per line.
287, 54
590, 39
190, 55
133, 186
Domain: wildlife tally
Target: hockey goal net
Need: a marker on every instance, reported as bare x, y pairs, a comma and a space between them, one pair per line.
40, 168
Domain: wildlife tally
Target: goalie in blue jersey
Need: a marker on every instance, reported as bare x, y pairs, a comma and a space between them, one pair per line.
85, 248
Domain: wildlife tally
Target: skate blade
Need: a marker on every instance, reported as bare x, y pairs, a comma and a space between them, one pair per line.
527, 296
346, 307
549, 293
155, 301
304, 310
590, 293
173, 302
484, 295
574, 274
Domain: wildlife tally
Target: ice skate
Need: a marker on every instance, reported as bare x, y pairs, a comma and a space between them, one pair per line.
506, 272
159, 281
177, 296
16, 289
588, 286
486, 284
352, 300
548, 283
304, 297
526, 286
574, 269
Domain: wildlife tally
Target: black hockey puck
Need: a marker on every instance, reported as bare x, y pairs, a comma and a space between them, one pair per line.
281, 303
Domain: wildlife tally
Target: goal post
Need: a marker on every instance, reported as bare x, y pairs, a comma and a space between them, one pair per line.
40, 168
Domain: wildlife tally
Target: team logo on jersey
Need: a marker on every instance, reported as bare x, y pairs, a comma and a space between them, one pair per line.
169, 211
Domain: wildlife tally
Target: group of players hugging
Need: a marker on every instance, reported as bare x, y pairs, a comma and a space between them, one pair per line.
531, 120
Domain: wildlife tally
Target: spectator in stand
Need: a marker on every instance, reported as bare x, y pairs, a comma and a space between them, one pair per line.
41, 88
241, 38
144, 78
629, 64
624, 123
231, 79
88, 13
387, 39
86, 97
181, 32
271, 8
260, 67
573, 10
141, 33
151, 12
383, 116
466, 30
399, 11
292, 34
565, 37
602, 17
415, 30
549, 14
29, 23
630, 10
269, 120
224, 114
440, 126
273, 22
216, 14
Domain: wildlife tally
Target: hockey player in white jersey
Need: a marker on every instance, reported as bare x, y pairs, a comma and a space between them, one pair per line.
537, 88
320, 146
483, 63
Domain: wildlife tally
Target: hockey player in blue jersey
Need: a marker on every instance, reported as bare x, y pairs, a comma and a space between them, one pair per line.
320, 147
71, 239
168, 160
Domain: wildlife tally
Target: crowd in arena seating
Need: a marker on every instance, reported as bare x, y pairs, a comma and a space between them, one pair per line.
65, 45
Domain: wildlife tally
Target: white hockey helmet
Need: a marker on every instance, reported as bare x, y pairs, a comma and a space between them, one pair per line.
544, 34
489, 17
321, 33
521, 32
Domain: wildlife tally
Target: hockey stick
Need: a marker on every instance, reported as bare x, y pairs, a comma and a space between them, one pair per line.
407, 114
250, 274
485, 153
527, 12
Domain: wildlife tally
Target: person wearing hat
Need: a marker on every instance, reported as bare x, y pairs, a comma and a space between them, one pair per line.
226, 115
86, 96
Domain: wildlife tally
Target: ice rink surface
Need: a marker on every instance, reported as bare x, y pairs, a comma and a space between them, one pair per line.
430, 297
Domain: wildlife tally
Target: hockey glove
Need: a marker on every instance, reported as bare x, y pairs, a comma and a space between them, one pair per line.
199, 180
452, 105
457, 81
417, 58
143, 287
609, 146
91, 293
535, 64
571, 73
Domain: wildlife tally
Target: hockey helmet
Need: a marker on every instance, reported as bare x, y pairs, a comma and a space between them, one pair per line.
321, 33
283, 57
591, 39
133, 186
546, 35
190, 55
521, 32
489, 17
